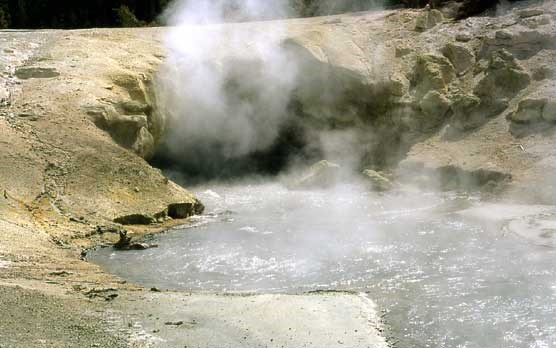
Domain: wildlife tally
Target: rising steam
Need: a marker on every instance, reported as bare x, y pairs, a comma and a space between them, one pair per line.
226, 89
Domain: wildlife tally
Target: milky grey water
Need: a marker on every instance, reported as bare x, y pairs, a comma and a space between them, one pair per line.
442, 280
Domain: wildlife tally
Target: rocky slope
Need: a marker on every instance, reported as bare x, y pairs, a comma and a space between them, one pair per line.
459, 103
436, 102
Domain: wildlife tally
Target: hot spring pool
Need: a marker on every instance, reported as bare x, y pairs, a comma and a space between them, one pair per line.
442, 280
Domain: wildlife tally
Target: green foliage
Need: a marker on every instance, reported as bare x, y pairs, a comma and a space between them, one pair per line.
4, 23
127, 18
66, 14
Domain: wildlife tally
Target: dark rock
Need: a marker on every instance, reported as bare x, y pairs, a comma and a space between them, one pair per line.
36, 73
139, 246
185, 210
100, 229
174, 323
466, 8
135, 219
457, 9
60, 273
124, 242
108, 294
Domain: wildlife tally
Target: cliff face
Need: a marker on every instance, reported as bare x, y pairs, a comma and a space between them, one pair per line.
471, 97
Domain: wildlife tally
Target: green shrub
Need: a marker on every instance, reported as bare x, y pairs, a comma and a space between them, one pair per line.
127, 18
4, 22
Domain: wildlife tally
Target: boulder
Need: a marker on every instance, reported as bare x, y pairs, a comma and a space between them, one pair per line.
463, 37
529, 110
530, 12
504, 77
399, 85
132, 107
434, 106
185, 210
432, 72
428, 19
378, 181
470, 112
144, 143
320, 175
129, 130
461, 57
463, 108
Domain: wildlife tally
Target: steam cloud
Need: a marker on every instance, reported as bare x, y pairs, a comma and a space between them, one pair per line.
226, 89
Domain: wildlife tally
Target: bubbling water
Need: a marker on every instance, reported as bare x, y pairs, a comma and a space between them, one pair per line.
443, 280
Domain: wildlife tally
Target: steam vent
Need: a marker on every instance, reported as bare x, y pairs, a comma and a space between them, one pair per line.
278, 174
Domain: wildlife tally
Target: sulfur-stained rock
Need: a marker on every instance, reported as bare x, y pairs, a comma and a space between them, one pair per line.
435, 106
128, 130
378, 181
132, 83
461, 57
144, 143
432, 72
399, 85
463, 107
529, 110
428, 19
132, 107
